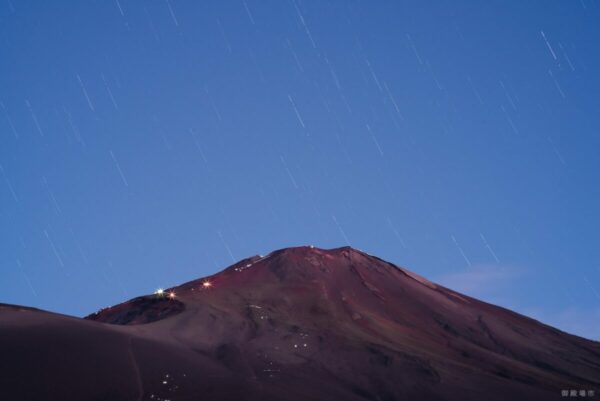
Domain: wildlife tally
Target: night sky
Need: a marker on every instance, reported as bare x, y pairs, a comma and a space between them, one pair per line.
148, 143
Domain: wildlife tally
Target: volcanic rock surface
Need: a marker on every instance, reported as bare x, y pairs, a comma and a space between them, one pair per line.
300, 324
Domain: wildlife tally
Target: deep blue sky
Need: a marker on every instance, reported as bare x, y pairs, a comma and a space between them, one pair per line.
145, 144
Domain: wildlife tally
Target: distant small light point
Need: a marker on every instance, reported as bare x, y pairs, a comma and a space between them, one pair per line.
206, 284
172, 296
159, 292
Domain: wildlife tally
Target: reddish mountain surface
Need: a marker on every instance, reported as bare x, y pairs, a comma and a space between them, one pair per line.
300, 324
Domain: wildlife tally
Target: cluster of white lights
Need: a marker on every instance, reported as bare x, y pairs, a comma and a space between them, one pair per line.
161, 293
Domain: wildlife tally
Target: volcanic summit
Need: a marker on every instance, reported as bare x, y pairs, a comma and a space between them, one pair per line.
300, 324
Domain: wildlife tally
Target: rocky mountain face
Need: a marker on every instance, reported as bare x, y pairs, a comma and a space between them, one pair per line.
298, 324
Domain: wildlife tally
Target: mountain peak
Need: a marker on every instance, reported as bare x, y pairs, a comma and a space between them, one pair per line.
306, 323
341, 271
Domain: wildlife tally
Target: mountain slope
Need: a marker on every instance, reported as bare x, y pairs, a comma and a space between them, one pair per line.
299, 324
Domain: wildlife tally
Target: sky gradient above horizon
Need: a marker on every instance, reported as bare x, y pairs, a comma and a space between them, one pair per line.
145, 144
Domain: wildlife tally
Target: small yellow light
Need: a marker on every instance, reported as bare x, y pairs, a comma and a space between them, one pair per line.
206, 284
172, 295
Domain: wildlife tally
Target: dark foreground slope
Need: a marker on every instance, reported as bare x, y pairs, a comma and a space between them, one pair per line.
300, 324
